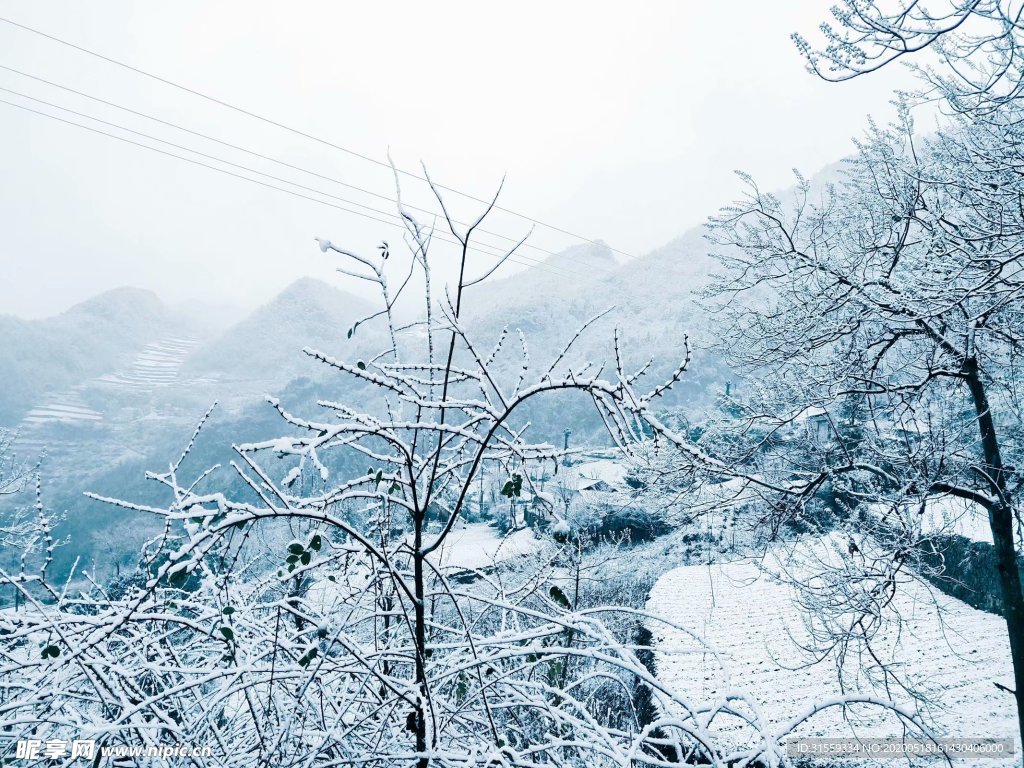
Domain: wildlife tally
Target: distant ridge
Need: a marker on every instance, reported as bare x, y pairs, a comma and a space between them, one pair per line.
266, 347
92, 338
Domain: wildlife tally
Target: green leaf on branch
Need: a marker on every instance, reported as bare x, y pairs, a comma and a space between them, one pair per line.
513, 487
178, 577
555, 673
559, 597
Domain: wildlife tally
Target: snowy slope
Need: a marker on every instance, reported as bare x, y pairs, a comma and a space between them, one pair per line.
470, 546
157, 363
67, 408
752, 620
264, 350
95, 402
478, 545
93, 338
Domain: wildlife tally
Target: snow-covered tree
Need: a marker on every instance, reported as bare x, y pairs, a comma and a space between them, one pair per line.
976, 45
310, 619
12, 475
879, 325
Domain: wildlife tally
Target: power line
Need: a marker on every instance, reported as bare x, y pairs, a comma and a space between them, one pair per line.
484, 249
254, 153
479, 248
296, 131
215, 158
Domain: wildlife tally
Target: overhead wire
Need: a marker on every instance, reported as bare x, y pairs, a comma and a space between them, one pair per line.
262, 156
215, 158
295, 131
480, 248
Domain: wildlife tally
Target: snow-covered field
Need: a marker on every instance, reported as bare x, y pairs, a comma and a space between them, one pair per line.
157, 363
470, 546
949, 515
478, 545
756, 628
69, 408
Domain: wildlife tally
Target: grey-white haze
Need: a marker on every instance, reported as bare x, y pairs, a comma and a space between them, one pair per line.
620, 123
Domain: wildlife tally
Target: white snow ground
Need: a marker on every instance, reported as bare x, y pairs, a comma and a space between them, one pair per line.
753, 622
156, 364
68, 408
950, 515
478, 545
470, 546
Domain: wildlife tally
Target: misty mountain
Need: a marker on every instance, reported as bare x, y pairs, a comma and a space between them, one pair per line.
92, 338
137, 390
652, 301
536, 299
264, 350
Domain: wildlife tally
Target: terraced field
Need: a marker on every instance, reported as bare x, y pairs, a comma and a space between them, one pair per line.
69, 408
158, 363
46, 425
950, 655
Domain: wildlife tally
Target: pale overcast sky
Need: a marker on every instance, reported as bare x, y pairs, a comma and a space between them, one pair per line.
618, 121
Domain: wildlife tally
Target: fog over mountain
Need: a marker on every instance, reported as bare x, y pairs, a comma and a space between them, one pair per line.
113, 387
90, 339
300, 465
265, 349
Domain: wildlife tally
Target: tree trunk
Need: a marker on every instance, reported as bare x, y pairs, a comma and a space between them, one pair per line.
1000, 516
421, 642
